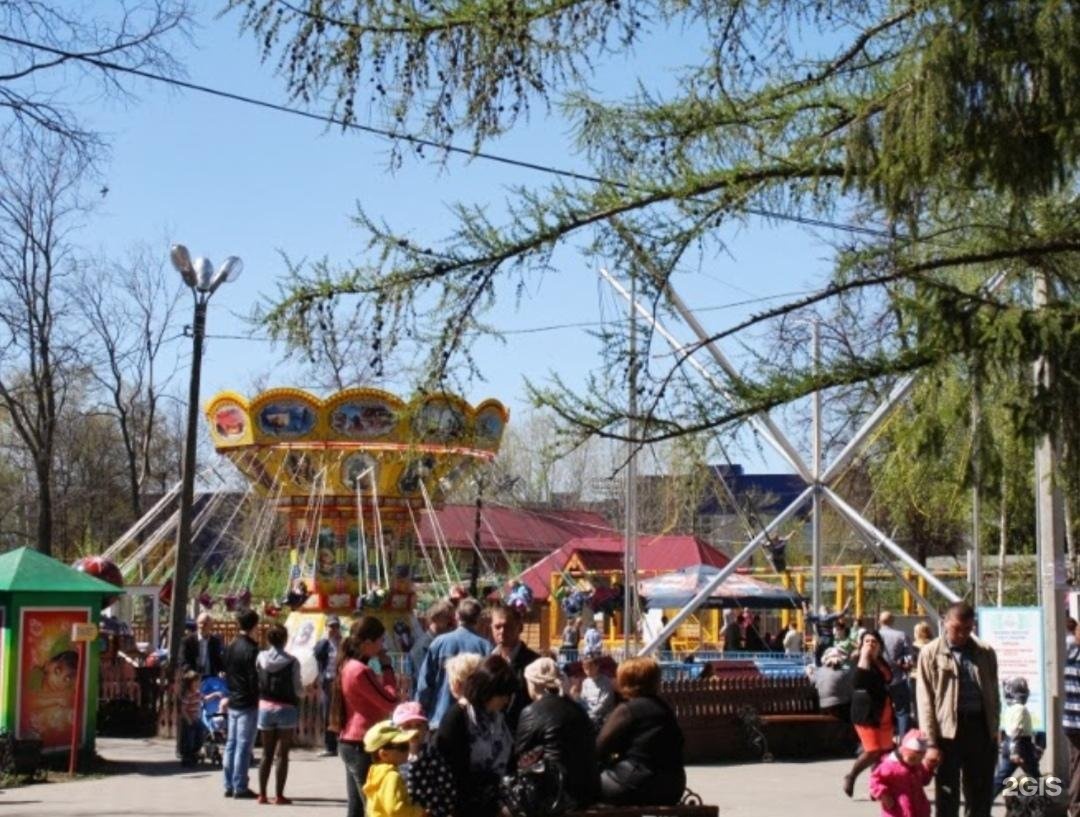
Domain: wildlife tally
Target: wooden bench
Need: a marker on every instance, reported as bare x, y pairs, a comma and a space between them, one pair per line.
691, 806
739, 714
649, 811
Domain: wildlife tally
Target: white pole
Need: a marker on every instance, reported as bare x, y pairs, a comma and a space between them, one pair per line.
630, 543
815, 548
976, 501
1050, 515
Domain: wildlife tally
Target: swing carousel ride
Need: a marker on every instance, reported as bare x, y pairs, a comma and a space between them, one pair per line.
347, 478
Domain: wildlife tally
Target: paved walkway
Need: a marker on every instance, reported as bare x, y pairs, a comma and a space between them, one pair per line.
143, 779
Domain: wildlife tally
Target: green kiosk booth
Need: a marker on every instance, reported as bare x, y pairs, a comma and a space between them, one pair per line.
48, 664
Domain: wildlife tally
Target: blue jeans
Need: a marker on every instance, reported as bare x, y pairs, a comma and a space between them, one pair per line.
357, 762
329, 738
900, 693
1029, 761
238, 747
191, 739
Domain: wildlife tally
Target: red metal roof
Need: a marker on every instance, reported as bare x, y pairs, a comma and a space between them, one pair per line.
655, 553
515, 529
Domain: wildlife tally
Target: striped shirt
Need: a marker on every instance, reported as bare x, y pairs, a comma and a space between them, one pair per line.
1072, 688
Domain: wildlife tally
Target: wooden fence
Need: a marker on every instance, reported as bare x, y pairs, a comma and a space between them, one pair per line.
721, 713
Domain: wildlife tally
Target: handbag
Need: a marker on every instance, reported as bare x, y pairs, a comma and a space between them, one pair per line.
335, 715
537, 789
862, 709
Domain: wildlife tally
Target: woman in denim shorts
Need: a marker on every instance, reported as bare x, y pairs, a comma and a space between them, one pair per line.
279, 697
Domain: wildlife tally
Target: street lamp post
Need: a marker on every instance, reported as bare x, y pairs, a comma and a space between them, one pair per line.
203, 282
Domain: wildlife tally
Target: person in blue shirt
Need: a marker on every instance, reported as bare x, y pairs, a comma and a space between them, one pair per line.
432, 689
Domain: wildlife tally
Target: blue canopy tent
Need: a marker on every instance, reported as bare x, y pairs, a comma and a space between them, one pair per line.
674, 590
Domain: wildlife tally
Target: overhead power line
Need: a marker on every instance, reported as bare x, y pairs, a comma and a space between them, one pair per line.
533, 330
408, 137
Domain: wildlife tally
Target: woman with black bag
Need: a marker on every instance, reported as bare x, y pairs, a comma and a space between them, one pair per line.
871, 708
640, 746
556, 767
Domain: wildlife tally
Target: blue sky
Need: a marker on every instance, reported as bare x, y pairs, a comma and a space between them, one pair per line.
228, 179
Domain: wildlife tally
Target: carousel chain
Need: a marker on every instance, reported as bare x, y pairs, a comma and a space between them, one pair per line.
433, 569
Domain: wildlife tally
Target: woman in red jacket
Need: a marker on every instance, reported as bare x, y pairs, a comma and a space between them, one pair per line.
366, 698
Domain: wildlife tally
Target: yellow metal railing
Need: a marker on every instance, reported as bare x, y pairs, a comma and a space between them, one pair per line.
705, 627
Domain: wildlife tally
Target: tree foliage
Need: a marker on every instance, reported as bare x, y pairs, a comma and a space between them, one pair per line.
951, 124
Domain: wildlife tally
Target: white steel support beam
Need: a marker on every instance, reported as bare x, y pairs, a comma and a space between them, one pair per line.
862, 524
725, 571
815, 532
899, 392
911, 587
778, 437
762, 423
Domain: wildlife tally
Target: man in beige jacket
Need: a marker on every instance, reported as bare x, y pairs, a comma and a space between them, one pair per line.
959, 710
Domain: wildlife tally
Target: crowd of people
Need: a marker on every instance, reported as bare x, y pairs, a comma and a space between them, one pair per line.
493, 728
931, 709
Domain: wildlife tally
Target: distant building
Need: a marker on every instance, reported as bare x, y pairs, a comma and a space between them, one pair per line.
760, 496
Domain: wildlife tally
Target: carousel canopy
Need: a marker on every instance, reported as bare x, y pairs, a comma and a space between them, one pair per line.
291, 443
675, 589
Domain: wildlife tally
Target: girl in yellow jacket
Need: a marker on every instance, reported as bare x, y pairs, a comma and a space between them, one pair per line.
384, 789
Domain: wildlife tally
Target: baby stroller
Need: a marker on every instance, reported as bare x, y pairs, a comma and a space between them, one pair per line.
215, 726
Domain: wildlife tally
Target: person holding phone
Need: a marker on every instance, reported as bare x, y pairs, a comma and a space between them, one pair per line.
365, 699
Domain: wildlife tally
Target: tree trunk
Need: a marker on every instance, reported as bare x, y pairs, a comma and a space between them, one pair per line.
45, 508
134, 487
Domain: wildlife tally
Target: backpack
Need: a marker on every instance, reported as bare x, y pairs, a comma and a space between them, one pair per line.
430, 783
277, 686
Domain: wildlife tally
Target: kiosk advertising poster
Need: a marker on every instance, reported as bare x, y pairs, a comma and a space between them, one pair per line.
1015, 633
48, 662
3, 667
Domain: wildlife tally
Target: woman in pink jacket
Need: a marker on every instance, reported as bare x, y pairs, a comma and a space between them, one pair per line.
899, 781
366, 698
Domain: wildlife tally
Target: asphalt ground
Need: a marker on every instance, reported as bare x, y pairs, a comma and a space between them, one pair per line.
141, 777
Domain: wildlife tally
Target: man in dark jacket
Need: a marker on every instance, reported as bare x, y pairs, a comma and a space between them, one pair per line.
326, 658
243, 680
506, 627
202, 651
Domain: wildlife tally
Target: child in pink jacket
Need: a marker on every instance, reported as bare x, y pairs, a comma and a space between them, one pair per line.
899, 781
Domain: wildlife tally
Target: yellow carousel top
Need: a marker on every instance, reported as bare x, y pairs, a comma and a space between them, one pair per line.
358, 441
